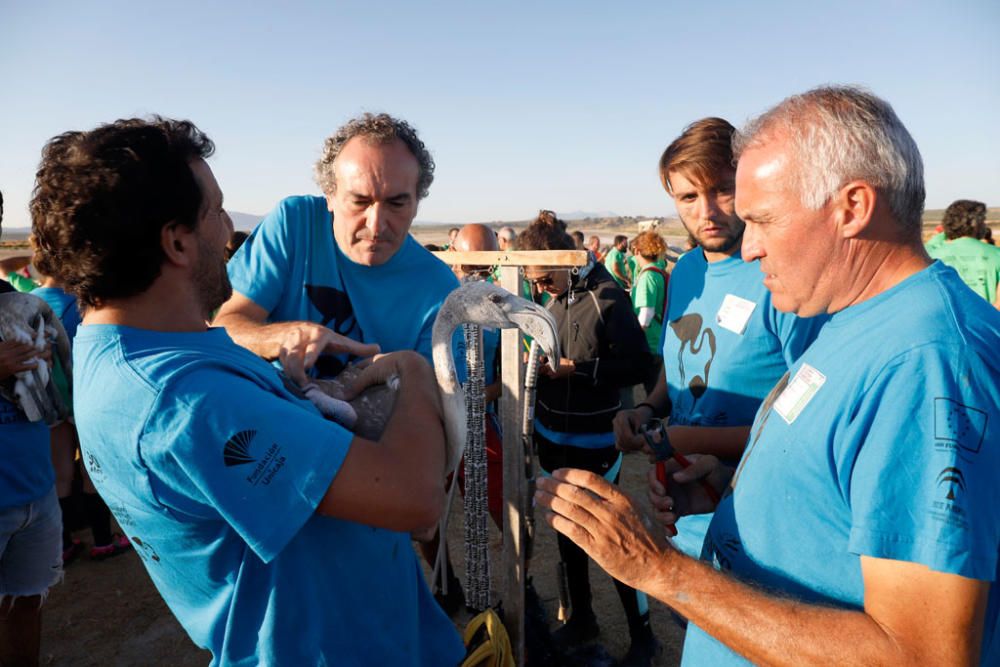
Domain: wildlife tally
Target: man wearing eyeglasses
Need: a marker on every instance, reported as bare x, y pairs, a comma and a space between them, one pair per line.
604, 350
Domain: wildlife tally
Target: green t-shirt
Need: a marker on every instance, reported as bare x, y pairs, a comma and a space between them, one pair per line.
20, 283
633, 266
612, 259
977, 263
649, 291
935, 241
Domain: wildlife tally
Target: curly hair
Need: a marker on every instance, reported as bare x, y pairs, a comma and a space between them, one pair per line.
650, 245
375, 129
964, 217
546, 232
102, 198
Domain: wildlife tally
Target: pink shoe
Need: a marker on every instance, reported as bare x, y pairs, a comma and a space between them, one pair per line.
119, 545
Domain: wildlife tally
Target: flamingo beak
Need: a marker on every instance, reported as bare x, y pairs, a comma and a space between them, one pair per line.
535, 321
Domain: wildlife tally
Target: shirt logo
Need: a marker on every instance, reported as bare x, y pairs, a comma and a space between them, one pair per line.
951, 479
959, 424
237, 449
695, 356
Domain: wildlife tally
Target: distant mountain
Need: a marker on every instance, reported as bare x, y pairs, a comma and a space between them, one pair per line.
580, 215
244, 221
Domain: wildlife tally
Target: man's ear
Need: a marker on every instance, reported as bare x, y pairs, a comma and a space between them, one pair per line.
855, 206
178, 243
329, 201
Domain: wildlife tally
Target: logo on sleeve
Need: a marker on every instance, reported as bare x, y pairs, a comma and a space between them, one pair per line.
268, 463
94, 466
957, 425
950, 483
237, 449
951, 479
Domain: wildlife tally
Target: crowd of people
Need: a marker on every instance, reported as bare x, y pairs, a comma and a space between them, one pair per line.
816, 395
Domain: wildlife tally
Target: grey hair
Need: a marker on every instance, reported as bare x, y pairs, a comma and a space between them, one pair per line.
375, 129
506, 233
842, 133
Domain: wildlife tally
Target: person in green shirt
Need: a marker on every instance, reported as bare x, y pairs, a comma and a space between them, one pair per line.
9, 268
649, 296
614, 261
976, 261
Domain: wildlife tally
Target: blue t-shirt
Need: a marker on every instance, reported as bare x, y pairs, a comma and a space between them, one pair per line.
724, 348
292, 267
884, 443
63, 305
214, 470
25, 456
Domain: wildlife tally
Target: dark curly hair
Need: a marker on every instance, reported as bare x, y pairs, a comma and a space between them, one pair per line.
546, 232
376, 129
964, 217
102, 197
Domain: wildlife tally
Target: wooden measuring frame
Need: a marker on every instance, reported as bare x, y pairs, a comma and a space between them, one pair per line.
512, 565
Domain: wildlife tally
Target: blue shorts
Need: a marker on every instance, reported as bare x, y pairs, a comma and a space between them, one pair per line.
30, 547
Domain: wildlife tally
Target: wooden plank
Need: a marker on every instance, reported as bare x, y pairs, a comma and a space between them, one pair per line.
512, 558
515, 258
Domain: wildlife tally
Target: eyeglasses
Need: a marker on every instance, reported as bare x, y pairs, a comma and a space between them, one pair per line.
542, 282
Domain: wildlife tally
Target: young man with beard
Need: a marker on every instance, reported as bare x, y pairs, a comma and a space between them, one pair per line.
614, 261
274, 536
724, 344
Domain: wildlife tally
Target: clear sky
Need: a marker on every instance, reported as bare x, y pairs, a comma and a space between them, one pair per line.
563, 105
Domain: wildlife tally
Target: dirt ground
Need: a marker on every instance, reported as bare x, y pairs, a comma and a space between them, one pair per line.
109, 614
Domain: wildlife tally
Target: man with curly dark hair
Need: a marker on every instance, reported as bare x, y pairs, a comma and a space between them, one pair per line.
274, 535
343, 265
963, 248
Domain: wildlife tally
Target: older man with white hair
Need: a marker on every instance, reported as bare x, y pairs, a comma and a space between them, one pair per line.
860, 526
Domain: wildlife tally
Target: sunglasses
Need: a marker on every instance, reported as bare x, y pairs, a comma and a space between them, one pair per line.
542, 282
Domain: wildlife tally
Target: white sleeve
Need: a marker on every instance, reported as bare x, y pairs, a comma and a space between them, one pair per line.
646, 315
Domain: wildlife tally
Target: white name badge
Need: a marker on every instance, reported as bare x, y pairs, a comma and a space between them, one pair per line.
799, 392
734, 314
